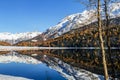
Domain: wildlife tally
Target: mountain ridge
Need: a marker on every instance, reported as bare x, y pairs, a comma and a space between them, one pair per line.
14, 38
67, 24
78, 20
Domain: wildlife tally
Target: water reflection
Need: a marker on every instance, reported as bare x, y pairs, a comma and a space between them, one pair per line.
87, 59
65, 69
91, 60
20, 65
69, 64
17, 58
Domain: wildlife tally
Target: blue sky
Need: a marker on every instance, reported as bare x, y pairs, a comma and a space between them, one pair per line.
32, 15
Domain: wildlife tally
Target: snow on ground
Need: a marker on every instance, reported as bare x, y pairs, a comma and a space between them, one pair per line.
10, 48
7, 77
16, 48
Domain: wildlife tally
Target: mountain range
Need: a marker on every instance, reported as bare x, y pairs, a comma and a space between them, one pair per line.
67, 24
14, 38
76, 21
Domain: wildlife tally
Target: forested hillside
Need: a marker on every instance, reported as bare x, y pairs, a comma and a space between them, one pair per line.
2, 43
86, 36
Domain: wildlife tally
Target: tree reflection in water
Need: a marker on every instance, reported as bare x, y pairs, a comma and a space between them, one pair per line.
90, 60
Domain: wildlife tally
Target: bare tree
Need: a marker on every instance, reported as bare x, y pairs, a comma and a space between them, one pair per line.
107, 22
101, 39
107, 10
97, 4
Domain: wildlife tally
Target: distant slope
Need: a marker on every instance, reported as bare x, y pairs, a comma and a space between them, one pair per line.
14, 38
2, 43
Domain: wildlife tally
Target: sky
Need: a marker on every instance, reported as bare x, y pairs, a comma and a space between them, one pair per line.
35, 15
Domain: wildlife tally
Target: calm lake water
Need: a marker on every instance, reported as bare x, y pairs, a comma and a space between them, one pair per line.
14, 66
43, 64
31, 71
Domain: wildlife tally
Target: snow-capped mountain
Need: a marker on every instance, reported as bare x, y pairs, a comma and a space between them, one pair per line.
71, 22
67, 24
78, 20
14, 38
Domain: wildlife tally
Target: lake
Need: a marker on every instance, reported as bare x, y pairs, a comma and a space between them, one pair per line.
15, 64
59, 64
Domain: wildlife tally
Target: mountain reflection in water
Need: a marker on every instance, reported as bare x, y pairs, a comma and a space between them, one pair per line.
90, 60
71, 64
19, 65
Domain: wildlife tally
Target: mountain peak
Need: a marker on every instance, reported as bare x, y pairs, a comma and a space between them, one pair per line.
78, 20
71, 22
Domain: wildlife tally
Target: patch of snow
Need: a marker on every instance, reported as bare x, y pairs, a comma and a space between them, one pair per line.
34, 40
17, 48
7, 77
114, 6
114, 10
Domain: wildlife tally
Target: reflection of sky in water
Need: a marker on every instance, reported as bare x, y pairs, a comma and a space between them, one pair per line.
16, 64
31, 71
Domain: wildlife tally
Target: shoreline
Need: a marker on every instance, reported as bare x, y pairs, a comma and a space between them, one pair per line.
17, 48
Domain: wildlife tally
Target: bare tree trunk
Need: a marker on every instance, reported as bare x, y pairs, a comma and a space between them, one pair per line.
101, 41
108, 36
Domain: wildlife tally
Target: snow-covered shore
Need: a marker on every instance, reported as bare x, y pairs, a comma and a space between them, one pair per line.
7, 77
12, 48
17, 48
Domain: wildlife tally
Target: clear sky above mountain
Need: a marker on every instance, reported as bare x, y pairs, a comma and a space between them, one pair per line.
32, 15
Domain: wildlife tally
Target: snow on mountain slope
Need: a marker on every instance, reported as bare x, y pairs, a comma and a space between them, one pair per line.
114, 9
14, 38
71, 22
68, 23
78, 20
